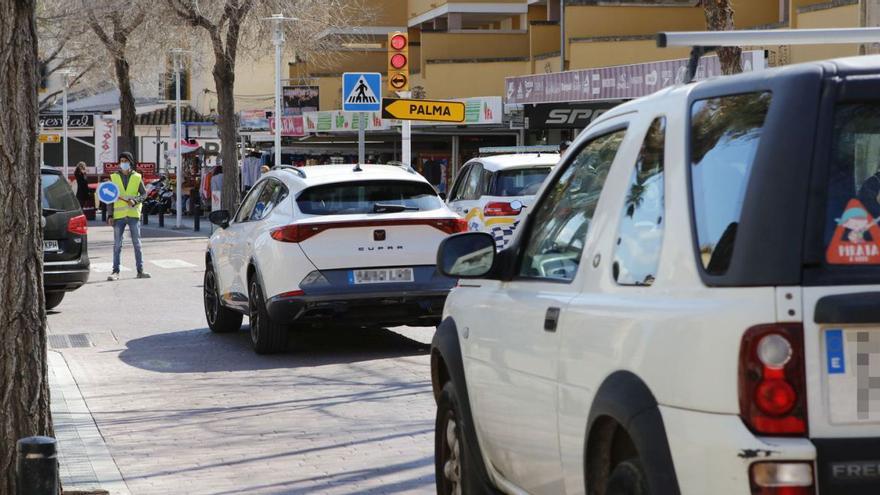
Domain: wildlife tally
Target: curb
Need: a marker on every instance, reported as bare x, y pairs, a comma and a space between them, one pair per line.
85, 463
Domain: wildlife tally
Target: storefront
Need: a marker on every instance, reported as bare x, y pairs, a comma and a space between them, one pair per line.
558, 105
80, 135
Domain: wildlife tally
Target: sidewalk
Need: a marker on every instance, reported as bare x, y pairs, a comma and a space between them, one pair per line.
186, 225
85, 463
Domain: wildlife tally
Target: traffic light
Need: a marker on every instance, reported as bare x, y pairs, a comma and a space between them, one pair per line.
398, 61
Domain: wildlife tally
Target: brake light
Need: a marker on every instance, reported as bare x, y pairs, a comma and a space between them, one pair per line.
78, 225
772, 391
501, 209
301, 232
781, 478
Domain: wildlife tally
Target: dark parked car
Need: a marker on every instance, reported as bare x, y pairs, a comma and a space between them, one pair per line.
65, 250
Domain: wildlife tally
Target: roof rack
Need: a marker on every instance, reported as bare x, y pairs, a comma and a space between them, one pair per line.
510, 150
702, 42
296, 170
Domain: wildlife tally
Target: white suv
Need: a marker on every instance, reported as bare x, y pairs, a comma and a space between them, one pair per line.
348, 244
493, 193
692, 306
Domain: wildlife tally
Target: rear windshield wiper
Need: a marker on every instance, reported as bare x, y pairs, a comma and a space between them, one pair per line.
50, 211
385, 208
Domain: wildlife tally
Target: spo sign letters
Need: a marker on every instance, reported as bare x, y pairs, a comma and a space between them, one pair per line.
429, 110
107, 192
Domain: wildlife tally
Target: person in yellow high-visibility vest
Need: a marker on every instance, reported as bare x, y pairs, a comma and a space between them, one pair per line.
126, 210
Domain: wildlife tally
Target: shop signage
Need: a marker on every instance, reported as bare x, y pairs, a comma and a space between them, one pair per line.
56, 121
427, 110
144, 168
49, 138
564, 115
614, 83
479, 110
339, 121
105, 140
300, 99
291, 125
253, 121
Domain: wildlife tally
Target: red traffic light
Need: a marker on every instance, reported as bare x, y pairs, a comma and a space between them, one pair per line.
398, 42
398, 61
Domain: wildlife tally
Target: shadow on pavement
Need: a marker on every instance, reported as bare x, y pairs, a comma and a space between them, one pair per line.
200, 350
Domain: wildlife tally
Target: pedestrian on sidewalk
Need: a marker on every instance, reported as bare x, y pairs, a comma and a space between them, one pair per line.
126, 211
82, 184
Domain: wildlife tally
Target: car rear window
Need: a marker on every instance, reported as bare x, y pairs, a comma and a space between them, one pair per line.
852, 236
57, 194
519, 182
351, 198
725, 132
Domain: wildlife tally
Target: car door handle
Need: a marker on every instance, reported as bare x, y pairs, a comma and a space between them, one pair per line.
551, 319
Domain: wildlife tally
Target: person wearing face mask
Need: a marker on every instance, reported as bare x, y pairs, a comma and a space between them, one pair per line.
126, 211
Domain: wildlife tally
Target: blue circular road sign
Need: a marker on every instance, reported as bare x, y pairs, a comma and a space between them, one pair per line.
108, 192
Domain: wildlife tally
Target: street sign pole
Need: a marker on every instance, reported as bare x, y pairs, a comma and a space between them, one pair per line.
406, 136
361, 93
64, 125
179, 185
362, 124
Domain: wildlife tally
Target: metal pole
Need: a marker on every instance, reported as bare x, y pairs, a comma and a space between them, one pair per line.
362, 124
178, 137
561, 35
406, 136
64, 126
278, 41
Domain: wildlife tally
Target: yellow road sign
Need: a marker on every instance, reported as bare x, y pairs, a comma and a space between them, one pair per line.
430, 110
50, 138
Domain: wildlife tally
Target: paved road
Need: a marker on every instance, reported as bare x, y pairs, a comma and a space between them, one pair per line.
185, 411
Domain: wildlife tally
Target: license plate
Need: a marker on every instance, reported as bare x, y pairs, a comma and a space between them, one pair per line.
381, 276
852, 371
50, 246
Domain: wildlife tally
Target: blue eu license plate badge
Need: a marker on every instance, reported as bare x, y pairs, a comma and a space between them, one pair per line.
835, 352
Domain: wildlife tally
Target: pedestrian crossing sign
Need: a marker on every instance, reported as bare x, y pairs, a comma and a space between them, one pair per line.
362, 92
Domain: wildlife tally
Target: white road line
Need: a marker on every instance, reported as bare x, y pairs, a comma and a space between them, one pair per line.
172, 263
107, 268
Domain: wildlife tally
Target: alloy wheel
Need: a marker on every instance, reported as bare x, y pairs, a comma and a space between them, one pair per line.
212, 301
452, 456
255, 302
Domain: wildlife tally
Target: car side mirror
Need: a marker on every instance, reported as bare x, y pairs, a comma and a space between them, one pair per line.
219, 218
467, 255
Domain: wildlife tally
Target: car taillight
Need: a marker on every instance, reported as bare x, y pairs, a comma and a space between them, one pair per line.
500, 209
781, 478
301, 232
772, 391
450, 225
78, 225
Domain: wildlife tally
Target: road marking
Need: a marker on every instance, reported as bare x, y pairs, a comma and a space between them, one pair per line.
107, 268
172, 263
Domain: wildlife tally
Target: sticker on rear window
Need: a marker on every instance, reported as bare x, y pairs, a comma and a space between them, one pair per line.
856, 239
834, 349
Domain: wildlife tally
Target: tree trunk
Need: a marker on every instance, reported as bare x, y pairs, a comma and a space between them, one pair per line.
24, 388
224, 80
719, 17
126, 106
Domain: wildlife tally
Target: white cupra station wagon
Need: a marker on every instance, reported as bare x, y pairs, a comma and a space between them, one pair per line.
692, 306
346, 244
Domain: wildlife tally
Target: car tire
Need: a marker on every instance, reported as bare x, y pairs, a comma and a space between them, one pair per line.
628, 478
452, 467
220, 319
53, 299
267, 336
